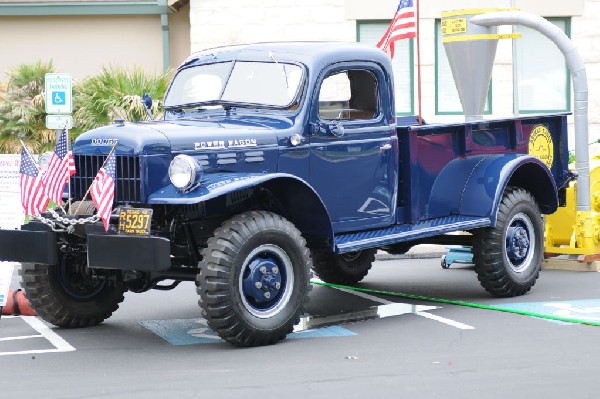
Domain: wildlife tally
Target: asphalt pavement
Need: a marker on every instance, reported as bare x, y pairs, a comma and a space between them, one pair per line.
359, 344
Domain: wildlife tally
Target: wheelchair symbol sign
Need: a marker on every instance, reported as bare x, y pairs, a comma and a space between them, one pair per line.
59, 97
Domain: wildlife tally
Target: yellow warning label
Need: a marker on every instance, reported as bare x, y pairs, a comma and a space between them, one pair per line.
453, 26
541, 145
486, 36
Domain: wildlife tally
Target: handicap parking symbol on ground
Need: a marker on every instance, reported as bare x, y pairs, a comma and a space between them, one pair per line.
585, 310
196, 331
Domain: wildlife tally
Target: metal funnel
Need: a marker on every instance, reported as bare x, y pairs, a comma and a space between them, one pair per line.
471, 50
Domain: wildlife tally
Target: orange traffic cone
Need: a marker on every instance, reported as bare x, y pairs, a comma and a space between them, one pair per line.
17, 304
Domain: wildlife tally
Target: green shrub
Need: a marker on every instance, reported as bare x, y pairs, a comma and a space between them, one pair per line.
22, 115
116, 93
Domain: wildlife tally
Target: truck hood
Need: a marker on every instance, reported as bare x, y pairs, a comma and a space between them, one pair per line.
181, 136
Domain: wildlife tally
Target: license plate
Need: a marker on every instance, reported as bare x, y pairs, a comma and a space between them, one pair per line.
135, 221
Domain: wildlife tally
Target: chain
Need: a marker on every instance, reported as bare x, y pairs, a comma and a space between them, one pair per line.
59, 223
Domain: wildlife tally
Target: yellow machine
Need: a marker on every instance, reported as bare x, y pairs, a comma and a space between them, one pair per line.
573, 232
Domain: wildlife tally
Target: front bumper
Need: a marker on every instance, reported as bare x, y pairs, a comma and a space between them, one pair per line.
123, 252
34, 243
37, 243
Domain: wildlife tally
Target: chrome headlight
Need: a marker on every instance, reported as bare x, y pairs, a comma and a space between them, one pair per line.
185, 172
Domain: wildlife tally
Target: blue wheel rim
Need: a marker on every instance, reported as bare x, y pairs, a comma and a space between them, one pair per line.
520, 242
266, 281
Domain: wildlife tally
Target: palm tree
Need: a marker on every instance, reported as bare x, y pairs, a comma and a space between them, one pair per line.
22, 116
116, 93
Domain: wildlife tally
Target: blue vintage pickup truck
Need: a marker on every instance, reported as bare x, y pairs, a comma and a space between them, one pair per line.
277, 158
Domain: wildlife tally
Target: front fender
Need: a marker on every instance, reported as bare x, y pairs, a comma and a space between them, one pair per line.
303, 206
213, 185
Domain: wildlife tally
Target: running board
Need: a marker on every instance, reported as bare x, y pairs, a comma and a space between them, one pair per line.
406, 232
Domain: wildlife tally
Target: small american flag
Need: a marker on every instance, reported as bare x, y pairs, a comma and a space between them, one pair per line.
33, 198
403, 26
59, 169
103, 189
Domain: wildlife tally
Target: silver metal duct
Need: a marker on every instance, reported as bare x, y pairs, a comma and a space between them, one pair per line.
471, 50
580, 87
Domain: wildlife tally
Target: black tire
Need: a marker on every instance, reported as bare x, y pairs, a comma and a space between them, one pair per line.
508, 257
66, 295
251, 248
344, 269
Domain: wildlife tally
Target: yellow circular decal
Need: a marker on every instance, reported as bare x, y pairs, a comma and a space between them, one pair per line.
541, 145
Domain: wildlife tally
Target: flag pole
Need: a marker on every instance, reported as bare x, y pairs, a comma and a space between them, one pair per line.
58, 133
69, 182
90, 187
418, 64
23, 144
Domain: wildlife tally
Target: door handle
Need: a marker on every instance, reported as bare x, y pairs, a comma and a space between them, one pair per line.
385, 147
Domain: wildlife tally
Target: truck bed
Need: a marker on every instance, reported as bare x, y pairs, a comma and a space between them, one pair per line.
428, 151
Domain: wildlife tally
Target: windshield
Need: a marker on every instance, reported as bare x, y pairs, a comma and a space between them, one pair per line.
273, 84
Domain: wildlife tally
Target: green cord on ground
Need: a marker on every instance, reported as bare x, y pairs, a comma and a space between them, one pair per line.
460, 303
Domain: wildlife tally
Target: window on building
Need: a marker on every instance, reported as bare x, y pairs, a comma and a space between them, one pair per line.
447, 101
370, 32
544, 79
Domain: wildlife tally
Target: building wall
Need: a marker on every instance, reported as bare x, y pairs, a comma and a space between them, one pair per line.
81, 45
221, 22
179, 27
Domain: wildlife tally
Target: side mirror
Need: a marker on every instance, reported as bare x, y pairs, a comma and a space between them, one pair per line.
147, 101
337, 129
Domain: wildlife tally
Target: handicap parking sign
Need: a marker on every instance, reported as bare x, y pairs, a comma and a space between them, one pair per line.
58, 90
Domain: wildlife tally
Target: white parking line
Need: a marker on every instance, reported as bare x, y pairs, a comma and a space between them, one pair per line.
450, 322
430, 316
365, 296
60, 345
21, 337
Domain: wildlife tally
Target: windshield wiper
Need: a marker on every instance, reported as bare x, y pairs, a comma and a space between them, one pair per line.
199, 106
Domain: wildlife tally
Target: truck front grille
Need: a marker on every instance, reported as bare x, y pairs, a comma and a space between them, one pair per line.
128, 183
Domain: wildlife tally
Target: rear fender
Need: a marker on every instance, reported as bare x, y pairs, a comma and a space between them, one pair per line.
479, 184
485, 188
303, 206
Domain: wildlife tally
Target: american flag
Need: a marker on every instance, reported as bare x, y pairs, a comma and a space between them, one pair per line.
59, 169
33, 198
103, 189
403, 26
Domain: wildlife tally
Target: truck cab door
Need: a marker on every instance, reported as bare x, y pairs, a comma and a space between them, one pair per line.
353, 160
